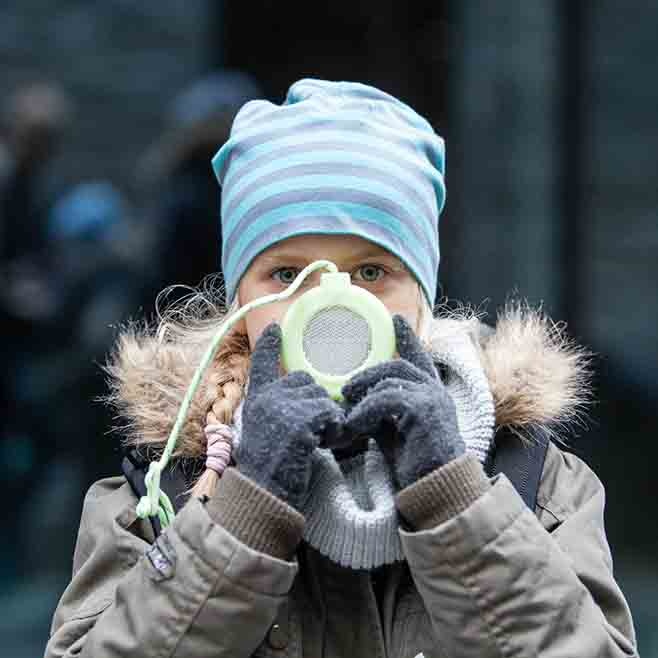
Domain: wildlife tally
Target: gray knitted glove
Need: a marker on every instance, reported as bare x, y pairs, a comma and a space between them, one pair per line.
404, 405
283, 420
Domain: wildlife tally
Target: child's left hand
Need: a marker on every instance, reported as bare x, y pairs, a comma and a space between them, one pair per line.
404, 405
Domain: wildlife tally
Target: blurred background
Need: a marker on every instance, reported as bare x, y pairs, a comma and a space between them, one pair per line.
110, 112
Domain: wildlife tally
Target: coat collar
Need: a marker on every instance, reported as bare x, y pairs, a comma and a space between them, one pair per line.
535, 373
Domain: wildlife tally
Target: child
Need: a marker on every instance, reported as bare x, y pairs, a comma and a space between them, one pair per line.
400, 546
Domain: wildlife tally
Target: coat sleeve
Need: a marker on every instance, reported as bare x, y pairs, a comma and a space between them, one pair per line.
500, 581
198, 591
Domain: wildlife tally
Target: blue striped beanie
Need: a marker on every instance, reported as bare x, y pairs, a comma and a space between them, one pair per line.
336, 158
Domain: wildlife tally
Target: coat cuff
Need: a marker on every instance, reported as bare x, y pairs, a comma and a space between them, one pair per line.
254, 516
443, 493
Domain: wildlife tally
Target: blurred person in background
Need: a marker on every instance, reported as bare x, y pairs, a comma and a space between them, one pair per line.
186, 211
95, 262
33, 121
90, 282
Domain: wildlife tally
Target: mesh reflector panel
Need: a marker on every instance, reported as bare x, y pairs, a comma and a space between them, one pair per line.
336, 340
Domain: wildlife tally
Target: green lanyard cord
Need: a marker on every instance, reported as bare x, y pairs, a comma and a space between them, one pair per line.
156, 501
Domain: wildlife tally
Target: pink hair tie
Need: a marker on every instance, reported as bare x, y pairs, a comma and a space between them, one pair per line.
220, 445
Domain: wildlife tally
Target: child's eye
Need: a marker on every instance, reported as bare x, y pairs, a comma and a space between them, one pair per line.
292, 273
370, 272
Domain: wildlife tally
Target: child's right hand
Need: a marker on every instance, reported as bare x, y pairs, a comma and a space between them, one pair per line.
283, 420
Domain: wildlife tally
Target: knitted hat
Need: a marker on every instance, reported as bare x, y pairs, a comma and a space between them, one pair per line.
337, 158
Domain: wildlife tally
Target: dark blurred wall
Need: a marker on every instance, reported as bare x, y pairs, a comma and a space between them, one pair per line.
401, 47
501, 229
553, 184
619, 197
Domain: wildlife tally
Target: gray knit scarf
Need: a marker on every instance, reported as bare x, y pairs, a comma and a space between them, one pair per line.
350, 506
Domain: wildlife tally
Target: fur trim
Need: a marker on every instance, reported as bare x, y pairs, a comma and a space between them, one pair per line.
537, 375
148, 380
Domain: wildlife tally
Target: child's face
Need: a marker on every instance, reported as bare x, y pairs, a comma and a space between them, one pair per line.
371, 266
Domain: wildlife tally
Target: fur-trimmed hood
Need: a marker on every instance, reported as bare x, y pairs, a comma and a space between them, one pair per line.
536, 374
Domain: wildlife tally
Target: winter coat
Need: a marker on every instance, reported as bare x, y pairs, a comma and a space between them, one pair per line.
485, 578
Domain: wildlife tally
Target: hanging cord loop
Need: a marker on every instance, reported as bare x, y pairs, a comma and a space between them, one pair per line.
156, 501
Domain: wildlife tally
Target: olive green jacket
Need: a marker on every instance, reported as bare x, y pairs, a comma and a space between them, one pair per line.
491, 580
483, 575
